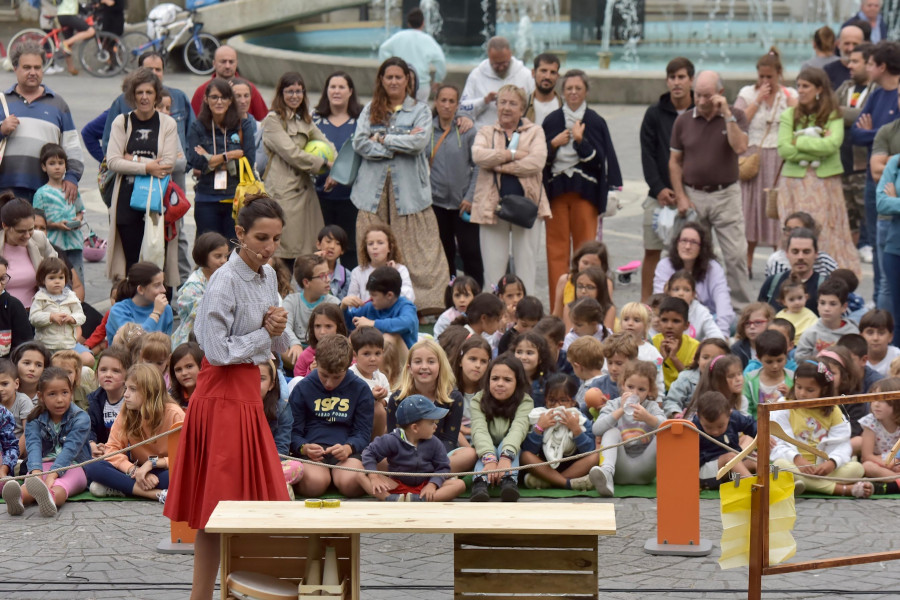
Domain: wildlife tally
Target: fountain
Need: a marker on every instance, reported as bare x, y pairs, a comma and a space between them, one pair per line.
637, 37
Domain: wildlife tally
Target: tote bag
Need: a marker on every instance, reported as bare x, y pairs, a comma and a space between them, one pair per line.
346, 165
153, 246
247, 185
148, 192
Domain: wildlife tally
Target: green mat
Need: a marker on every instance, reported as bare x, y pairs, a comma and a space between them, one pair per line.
622, 491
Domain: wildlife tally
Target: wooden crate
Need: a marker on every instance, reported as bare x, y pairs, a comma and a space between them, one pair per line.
317, 592
284, 556
524, 566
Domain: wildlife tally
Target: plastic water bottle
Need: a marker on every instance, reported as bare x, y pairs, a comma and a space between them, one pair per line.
513, 141
629, 404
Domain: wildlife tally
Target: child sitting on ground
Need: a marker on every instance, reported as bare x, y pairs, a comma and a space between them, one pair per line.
559, 429
702, 324
772, 381
593, 283
412, 447
483, 317
105, 403
331, 243
17, 403
9, 444
142, 300
822, 427
877, 327
794, 297
635, 319
55, 312
626, 418
676, 348
786, 328
554, 331
717, 418
70, 362
880, 431
587, 319
724, 375
457, 297
368, 354
682, 390
587, 356
209, 253
58, 211
831, 326
393, 315
148, 411
325, 319
156, 350
311, 274
754, 319
281, 422
31, 358
184, 368
529, 311
380, 249
55, 436
859, 349
532, 350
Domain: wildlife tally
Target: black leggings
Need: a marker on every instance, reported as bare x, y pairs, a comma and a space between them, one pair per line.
456, 233
131, 236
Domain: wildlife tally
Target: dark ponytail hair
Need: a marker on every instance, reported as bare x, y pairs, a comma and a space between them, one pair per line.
483, 304
140, 274
259, 206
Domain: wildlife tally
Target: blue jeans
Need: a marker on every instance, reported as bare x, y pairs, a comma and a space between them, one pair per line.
106, 474
76, 259
214, 216
479, 464
892, 265
868, 236
883, 291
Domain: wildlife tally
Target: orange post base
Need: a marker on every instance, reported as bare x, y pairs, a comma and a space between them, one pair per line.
181, 538
677, 492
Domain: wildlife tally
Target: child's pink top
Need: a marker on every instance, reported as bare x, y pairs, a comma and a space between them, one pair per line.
301, 369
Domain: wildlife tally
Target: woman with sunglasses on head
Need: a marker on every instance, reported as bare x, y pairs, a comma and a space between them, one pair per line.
217, 140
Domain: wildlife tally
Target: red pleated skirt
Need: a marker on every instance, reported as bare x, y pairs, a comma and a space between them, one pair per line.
226, 450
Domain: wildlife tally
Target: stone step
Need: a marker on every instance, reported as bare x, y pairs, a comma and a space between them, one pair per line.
662, 10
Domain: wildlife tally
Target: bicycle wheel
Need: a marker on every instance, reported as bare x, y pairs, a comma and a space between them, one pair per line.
135, 43
102, 55
199, 52
33, 35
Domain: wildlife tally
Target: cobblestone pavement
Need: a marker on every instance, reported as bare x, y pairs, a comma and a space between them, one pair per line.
113, 545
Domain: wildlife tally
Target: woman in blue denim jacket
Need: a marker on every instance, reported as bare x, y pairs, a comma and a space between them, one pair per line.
216, 140
888, 206
393, 186
56, 435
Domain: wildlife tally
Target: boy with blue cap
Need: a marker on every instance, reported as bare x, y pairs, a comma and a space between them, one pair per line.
411, 448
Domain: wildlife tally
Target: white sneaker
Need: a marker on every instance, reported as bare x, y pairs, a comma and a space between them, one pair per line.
865, 254
101, 491
582, 484
603, 482
53, 69
533, 482
162, 495
42, 494
12, 495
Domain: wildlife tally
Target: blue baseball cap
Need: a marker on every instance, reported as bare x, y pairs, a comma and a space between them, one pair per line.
417, 407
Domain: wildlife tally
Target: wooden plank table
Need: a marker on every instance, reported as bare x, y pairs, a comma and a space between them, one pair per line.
498, 547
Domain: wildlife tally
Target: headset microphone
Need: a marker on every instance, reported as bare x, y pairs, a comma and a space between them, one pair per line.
244, 246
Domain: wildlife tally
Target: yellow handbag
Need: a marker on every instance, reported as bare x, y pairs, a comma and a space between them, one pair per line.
248, 185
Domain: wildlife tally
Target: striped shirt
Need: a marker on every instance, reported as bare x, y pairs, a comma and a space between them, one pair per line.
229, 325
45, 120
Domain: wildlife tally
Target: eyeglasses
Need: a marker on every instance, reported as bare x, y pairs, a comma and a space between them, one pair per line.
759, 323
325, 277
688, 242
5, 279
293, 92
215, 99
585, 288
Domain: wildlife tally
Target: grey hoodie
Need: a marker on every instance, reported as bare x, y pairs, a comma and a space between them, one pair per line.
817, 337
483, 80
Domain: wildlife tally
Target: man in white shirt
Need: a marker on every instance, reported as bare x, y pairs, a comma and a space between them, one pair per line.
544, 100
418, 49
498, 69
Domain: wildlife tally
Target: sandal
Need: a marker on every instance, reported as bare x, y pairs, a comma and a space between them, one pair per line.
862, 489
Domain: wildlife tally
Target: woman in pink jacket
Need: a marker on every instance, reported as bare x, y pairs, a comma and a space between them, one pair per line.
511, 155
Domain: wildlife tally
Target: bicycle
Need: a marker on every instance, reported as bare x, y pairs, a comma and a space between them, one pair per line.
102, 56
198, 52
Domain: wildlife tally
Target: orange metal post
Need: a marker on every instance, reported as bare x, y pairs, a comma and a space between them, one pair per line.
181, 535
678, 500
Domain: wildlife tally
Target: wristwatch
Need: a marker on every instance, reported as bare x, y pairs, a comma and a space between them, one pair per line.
731, 119
153, 460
